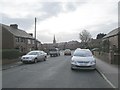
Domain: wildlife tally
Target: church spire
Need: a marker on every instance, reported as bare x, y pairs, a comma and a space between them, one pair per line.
54, 40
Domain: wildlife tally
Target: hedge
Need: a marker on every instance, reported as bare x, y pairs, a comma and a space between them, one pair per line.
10, 54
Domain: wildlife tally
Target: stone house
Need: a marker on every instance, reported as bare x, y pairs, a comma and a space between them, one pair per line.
112, 38
14, 38
110, 47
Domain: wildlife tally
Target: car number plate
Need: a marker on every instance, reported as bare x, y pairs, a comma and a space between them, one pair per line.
82, 64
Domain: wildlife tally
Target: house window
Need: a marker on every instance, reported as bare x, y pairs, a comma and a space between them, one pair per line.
17, 39
38, 44
29, 41
22, 39
33, 41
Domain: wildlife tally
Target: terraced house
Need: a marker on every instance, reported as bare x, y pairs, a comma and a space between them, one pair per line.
14, 38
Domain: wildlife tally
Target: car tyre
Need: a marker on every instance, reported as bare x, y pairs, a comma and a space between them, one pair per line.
24, 62
72, 68
45, 58
35, 61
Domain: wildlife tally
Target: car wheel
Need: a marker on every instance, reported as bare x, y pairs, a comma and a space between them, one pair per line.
24, 62
45, 58
35, 61
93, 69
72, 68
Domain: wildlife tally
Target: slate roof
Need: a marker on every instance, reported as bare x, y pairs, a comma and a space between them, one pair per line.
16, 32
112, 33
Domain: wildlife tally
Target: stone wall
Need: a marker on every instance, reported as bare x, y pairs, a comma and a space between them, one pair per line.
111, 57
102, 55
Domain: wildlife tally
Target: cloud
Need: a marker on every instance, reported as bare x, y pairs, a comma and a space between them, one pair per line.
23, 23
101, 28
65, 18
51, 8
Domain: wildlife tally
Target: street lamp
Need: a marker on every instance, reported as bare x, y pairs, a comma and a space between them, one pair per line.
35, 35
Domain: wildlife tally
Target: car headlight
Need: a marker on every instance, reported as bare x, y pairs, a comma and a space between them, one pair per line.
73, 61
93, 62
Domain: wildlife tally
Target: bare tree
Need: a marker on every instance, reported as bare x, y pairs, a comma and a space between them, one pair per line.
85, 36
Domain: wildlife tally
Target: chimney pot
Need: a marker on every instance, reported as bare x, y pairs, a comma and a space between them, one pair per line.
14, 26
31, 34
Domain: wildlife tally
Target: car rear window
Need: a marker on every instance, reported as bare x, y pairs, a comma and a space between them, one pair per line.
53, 50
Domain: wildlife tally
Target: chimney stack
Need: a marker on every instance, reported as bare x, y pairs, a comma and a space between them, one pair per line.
14, 26
31, 34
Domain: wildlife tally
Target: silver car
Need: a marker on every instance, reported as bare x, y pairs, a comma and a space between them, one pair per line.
34, 56
83, 59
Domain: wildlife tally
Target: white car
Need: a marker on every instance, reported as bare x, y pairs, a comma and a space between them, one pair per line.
83, 59
34, 56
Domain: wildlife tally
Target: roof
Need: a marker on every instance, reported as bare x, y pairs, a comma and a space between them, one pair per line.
16, 32
112, 33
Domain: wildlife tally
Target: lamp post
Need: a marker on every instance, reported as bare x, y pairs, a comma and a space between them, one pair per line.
35, 35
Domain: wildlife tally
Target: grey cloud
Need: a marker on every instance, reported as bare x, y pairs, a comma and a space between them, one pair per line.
51, 8
23, 23
102, 28
45, 38
71, 6
48, 10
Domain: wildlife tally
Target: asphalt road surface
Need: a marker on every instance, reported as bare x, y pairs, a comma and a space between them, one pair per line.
53, 73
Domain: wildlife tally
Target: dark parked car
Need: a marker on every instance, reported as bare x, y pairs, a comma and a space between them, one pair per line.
54, 52
67, 52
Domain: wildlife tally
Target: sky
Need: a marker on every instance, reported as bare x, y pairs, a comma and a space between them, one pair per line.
63, 18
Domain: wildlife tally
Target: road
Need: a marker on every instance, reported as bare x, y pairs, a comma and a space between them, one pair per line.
53, 73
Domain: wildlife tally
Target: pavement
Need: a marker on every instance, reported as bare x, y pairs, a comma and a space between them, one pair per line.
108, 71
11, 65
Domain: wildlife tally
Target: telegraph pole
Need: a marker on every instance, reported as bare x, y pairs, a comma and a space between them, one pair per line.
35, 35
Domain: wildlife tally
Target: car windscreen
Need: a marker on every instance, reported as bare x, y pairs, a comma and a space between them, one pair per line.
52, 50
82, 54
32, 53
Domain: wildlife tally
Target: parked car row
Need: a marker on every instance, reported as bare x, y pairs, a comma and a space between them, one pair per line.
81, 58
37, 55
